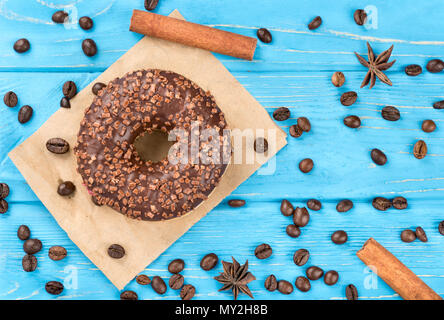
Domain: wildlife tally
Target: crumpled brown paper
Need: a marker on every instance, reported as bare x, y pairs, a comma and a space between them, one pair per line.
93, 229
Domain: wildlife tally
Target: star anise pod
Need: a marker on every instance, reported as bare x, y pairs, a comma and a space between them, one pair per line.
236, 278
376, 66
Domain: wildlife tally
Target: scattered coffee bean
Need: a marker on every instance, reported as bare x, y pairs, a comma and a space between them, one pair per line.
261, 145
143, 279
89, 47
378, 157
158, 285
413, 70
301, 257
331, 277
420, 149
400, 203
188, 291
69, 89
314, 273
25, 114
29, 263
441, 227
96, 201
293, 231
304, 124
338, 79
264, 35
301, 217
97, 87
344, 205
209, 261
339, 237
428, 126
439, 105
86, 23
286, 208
352, 122
116, 251
57, 253
435, 65
351, 292
315, 23
281, 114
150, 5
381, 204
360, 17
303, 284
408, 235
32, 246
314, 204
23, 232
236, 203
54, 287
176, 281
129, 295
22, 45
4, 190
57, 145
306, 165
60, 17
348, 98
390, 113
176, 266
420, 234
271, 283
64, 103
263, 251
10, 99
295, 131
66, 188
284, 287
3, 206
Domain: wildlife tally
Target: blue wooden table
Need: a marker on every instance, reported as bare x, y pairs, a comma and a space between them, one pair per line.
293, 71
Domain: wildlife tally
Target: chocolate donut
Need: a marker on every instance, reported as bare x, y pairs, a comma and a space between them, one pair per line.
142, 102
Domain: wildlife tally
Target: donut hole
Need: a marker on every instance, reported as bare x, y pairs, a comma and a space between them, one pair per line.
153, 146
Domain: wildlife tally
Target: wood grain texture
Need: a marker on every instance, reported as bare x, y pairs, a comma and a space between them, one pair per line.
293, 71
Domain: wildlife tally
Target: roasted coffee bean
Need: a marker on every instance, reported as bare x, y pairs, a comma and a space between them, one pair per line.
331, 277
158, 285
116, 251
314, 204
96, 201
306, 165
86, 23
97, 87
32, 246
439, 105
408, 235
338, 79
314, 273
69, 89
54, 287
57, 145
420, 234
381, 204
4, 190
344, 205
22, 45
10, 99
236, 203
23, 232
441, 227
271, 283
293, 231
420, 149
315, 23
176, 281
187, 292
25, 114
400, 203
281, 114
209, 261
295, 131
264, 35
428, 126
301, 217
300, 257
352, 122
3, 206
263, 251
413, 70
378, 157
66, 188
360, 17
284, 287
304, 124
286, 208
150, 5
64, 103
339, 237
176, 266
143, 279
129, 295
348, 98
29, 263
390, 113
57, 253
60, 17
303, 284
435, 65
351, 292
261, 145
89, 47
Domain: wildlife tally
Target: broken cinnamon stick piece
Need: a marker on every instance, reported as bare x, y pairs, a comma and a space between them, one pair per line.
192, 34
400, 278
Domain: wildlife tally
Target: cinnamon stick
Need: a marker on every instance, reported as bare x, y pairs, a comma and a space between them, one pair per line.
400, 278
192, 34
